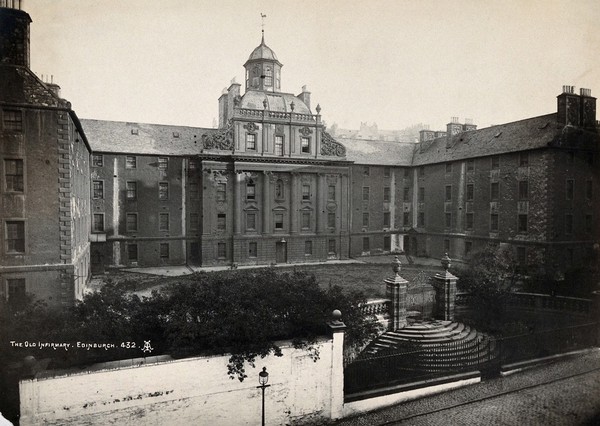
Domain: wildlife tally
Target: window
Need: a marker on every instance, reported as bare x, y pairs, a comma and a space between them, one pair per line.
221, 221
365, 193
98, 224
494, 190
307, 248
448, 192
16, 288
221, 250
493, 222
366, 244
570, 189
163, 163
406, 194
406, 173
268, 76
366, 171
522, 225
386, 219
130, 162
588, 223
98, 189
15, 236
279, 145
468, 247
589, 192
194, 193
421, 218
131, 222
305, 220
365, 220
523, 159
568, 224
163, 190
251, 221
387, 243
386, 193
250, 191
192, 165
331, 220
447, 246
305, 192
164, 250
131, 190
421, 194
331, 193
221, 192
13, 171
522, 256
470, 165
469, 224
495, 162
194, 220
386, 172
331, 247
252, 249
278, 221
470, 190
448, 220
13, 120
163, 221
448, 167
250, 142
406, 219
523, 190
279, 190
422, 171
305, 145
132, 252
97, 160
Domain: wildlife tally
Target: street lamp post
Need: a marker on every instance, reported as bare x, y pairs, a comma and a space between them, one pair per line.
263, 378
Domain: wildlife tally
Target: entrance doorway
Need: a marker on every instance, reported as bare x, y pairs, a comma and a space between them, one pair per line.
281, 252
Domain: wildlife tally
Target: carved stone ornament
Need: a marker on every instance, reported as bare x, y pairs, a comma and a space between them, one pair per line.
251, 127
279, 129
221, 139
332, 179
305, 131
330, 146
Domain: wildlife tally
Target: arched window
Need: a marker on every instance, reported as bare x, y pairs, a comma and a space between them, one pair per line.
279, 191
268, 76
277, 78
255, 76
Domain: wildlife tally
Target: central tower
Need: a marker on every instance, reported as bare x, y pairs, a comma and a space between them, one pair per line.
263, 70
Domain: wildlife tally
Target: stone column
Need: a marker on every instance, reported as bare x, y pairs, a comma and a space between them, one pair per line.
337, 328
321, 192
445, 292
294, 203
396, 291
237, 206
266, 204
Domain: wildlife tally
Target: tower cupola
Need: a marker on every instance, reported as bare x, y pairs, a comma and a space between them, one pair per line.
14, 33
263, 70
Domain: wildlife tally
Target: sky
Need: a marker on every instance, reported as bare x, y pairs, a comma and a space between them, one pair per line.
391, 62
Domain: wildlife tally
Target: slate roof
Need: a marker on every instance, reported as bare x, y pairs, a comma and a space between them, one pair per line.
253, 99
151, 139
384, 153
531, 133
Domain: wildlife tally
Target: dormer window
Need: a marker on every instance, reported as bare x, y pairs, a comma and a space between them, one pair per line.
279, 145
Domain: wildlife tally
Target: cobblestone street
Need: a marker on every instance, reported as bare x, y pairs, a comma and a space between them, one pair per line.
568, 394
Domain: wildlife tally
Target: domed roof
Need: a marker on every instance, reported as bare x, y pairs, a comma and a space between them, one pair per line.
280, 102
263, 52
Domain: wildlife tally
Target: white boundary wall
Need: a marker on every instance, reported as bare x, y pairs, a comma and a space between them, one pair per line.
189, 391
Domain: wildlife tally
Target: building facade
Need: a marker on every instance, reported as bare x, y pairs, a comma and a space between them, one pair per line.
44, 178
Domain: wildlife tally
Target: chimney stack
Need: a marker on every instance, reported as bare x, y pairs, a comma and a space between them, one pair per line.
588, 109
14, 34
568, 107
305, 96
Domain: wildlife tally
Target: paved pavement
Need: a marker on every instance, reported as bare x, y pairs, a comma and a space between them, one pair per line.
562, 400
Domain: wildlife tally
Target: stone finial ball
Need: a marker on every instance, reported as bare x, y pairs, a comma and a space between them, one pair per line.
396, 265
29, 361
336, 315
445, 261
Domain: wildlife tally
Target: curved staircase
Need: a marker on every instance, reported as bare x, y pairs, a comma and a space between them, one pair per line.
434, 346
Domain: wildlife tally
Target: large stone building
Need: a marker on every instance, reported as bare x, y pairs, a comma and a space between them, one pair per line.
44, 178
270, 185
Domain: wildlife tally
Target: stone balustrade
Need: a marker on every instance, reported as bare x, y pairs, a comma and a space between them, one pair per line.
376, 307
243, 112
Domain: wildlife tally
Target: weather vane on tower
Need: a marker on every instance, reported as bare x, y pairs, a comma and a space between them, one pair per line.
262, 17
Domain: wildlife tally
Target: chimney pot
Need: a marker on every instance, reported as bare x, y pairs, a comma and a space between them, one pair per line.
585, 92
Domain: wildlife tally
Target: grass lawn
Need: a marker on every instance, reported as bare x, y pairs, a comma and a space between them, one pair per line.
366, 277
